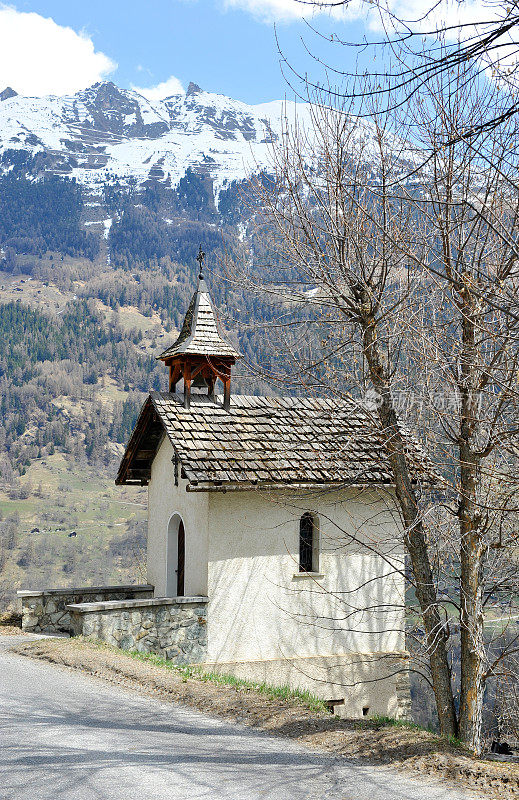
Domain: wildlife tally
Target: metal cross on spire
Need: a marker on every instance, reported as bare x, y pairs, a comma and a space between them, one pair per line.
201, 258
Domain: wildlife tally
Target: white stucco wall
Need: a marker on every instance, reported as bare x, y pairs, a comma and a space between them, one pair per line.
242, 550
261, 608
164, 500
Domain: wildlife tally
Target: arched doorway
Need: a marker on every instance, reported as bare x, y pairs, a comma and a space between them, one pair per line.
181, 550
175, 558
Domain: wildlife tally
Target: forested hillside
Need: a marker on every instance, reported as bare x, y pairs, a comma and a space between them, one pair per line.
92, 287
36, 217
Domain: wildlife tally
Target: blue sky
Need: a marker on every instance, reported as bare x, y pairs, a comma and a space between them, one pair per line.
227, 46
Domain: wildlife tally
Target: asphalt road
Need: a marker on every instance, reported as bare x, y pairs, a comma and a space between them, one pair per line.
65, 736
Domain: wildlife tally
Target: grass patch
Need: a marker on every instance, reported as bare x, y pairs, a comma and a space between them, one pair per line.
221, 679
283, 693
398, 723
456, 742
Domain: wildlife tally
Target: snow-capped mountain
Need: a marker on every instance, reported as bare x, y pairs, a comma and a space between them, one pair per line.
105, 132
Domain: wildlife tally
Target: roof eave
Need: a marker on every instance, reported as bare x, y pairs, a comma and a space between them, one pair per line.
204, 486
181, 351
208, 486
124, 474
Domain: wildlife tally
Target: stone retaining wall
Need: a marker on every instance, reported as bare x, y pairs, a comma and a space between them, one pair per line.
46, 611
175, 628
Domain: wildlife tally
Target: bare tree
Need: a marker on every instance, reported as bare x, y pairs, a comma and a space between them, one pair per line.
399, 274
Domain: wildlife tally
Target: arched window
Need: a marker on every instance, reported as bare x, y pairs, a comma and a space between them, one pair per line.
308, 555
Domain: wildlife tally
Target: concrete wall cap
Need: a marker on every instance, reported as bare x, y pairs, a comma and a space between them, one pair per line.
115, 605
137, 587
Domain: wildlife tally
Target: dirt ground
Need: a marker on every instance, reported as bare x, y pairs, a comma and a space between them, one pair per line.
10, 630
11, 623
363, 741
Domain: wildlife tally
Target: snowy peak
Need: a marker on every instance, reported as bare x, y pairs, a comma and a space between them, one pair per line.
225, 119
106, 108
104, 132
193, 88
7, 93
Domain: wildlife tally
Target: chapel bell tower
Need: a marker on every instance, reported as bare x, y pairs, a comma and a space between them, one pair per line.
200, 355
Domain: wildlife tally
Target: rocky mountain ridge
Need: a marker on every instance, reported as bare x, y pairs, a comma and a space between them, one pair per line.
106, 132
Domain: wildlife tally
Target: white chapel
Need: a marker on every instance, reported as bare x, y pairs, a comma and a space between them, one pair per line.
279, 514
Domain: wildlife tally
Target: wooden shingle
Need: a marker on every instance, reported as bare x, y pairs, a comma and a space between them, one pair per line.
307, 441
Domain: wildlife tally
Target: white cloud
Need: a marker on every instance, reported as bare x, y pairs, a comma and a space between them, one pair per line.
39, 57
425, 13
272, 10
292, 10
165, 89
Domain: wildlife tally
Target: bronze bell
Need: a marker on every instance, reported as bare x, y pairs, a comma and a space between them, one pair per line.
199, 382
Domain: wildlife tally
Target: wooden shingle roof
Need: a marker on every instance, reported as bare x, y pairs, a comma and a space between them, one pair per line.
200, 334
264, 441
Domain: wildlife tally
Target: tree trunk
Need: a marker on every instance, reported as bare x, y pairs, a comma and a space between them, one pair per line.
471, 625
415, 538
472, 549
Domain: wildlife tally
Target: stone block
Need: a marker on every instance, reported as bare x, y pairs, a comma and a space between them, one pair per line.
184, 623
196, 654
195, 633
